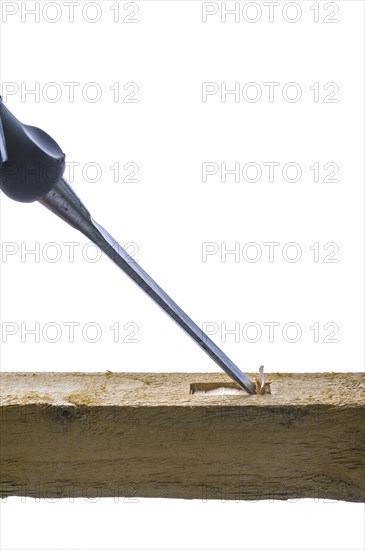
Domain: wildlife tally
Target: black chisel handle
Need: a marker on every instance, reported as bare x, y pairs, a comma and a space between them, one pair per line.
31, 162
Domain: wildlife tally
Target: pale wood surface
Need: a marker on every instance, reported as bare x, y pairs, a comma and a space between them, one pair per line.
138, 434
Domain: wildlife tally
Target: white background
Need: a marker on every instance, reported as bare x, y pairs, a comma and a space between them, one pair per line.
170, 212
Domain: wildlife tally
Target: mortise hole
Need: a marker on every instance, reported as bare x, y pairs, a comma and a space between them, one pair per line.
217, 388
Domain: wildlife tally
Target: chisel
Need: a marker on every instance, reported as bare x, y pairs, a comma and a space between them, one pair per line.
31, 169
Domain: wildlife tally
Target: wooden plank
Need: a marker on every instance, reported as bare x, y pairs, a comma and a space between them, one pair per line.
147, 435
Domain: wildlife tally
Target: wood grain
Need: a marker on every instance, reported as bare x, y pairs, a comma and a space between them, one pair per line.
131, 435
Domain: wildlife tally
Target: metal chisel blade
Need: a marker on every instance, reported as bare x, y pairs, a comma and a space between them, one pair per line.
64, 202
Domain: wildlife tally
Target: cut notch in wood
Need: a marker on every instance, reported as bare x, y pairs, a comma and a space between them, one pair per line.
217, 388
